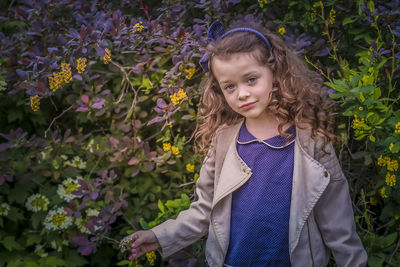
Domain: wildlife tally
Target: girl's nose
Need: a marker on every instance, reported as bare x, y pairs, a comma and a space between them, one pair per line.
243, 93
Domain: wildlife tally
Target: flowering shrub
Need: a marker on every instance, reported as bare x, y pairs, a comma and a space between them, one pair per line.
98, 106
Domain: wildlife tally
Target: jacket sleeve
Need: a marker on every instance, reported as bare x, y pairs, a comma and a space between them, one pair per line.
193, 223
335, 217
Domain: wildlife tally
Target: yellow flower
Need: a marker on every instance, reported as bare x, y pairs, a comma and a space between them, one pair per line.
313, 15
56, 81
393, 165
81, 65
190, 72
332, 16
381, 161
397, 130
190, 167
166, 147
282, 30
35, 103
107, 56
382, 191
138, 27
151, 257
372, 201
390, 179
175, 150
360, 108
169, 124
66, 72
178, 96
262, 2
391, 146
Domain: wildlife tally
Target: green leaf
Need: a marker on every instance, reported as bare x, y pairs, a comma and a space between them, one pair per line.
376, 260
74, 259
37, 218
53, 261
14, 115
372, 138
161, 206
33, 239
10, 244
123, 262
144, 224
348, 20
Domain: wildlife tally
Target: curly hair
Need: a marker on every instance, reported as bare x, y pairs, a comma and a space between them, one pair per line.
296, 96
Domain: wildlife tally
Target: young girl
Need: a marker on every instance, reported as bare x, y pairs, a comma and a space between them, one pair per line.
271, 191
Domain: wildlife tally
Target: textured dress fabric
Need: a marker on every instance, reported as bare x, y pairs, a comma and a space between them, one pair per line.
260, 213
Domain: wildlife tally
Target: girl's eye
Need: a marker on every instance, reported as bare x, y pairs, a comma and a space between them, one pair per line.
252, 80
229, 87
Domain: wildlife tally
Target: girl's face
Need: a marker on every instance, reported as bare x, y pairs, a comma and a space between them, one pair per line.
246, 85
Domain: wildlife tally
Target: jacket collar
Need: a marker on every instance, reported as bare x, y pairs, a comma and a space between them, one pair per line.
310, 178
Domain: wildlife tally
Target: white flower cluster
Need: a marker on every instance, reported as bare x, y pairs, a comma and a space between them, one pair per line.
68, 186
37, 202
57, 219
4, 209
76, 162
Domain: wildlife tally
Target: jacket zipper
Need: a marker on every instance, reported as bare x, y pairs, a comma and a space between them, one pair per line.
212, 224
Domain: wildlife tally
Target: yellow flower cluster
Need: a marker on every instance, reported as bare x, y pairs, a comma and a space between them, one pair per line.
190, 72
138, 27
66, 72
392, 165
81, 65
391, 146
373, 201
151, 257
190, 167
175, 150
177, 97
390, 179
107, 56
35, 102
382, 191
313, 14
282, 30
332, 16
262, 2
397, 130
166, 147
359, 126
59, 78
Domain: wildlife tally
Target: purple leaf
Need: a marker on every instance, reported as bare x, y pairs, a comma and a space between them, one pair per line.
81, 109
78, 77
22, 74
95, 194
5, 146
2, 179
85, 99
83, 184
80, 240
106, 218
155, 120
117, 206
68, 211
85, 251
98, 104
74, 33
90, 226
100, 51
161, 103
77, 214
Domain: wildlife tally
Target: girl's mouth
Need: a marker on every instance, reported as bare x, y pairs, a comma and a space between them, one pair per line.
247, 106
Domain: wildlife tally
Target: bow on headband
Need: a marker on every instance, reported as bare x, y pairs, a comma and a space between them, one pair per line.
217, 31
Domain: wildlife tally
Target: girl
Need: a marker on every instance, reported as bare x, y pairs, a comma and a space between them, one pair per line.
271, 191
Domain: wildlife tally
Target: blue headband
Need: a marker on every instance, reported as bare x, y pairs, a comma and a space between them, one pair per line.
216, 31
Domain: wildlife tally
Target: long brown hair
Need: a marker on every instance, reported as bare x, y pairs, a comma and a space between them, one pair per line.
296, 96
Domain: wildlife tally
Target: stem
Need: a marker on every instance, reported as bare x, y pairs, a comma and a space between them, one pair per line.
45, 133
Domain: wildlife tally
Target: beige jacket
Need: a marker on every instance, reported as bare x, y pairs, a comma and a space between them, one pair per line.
321, 214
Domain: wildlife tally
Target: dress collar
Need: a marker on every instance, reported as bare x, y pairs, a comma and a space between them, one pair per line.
277, 142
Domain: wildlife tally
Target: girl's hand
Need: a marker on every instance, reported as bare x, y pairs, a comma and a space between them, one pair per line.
141, 242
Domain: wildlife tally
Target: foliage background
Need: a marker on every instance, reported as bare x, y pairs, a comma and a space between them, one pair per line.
108, 143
